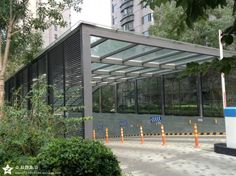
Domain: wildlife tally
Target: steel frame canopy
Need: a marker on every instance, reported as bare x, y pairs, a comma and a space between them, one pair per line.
118, 56
104, 56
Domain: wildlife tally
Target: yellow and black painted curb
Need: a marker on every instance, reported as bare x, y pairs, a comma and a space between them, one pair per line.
174, 134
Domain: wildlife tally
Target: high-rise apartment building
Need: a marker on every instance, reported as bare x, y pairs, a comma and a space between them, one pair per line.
131, 15
53, 32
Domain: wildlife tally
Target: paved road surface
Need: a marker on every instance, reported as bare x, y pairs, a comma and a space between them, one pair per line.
177, 158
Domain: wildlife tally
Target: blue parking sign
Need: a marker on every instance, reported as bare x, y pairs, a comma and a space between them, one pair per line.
155, 119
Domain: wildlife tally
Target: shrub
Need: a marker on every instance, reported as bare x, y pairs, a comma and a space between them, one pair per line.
76, 156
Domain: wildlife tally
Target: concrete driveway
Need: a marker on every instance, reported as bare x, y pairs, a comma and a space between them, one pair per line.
177, 158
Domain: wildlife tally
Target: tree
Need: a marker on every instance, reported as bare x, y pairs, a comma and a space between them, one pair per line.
22, 51
17, 22
169, 24
196, 10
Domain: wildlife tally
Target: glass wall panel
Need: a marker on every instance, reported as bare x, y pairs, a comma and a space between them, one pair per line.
180, 95
108, 100
96, 101
211, 94
149, 95
231, 88
126, 97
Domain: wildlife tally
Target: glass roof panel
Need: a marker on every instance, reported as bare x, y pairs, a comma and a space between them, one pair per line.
129, 69
174, 58
97, 65
146, 70
133, 51
113, 67
153, 55
107, 47
94, 39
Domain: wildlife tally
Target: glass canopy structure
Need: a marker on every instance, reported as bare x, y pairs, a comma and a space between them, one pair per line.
91, 56
117, 56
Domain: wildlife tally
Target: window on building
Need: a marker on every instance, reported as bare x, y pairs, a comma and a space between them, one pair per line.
55, 27
113, 8
127, 11
128, 26
146, 33
55, 36
113, 20
147, 18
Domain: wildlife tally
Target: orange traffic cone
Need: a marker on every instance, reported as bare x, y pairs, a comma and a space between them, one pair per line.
163, 135
94, 135
107, 136
141, 135
122, 135
196, 136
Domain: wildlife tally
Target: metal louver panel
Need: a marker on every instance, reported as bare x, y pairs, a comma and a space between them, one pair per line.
55, 77
73, 78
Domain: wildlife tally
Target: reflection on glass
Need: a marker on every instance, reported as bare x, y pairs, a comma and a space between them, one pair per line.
108, 46
133, 51
126, 97
212, 96
180, 95
149, 95
230, 88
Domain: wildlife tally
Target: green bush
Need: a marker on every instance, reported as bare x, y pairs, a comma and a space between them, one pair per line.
76, 156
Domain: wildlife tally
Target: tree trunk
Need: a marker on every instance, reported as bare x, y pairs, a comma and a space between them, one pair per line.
1, 96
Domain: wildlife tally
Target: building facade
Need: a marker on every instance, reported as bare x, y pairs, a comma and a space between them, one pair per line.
131, 15
53, 32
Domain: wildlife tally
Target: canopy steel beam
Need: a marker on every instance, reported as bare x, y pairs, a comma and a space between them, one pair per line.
153, 41
118, 51
121, 74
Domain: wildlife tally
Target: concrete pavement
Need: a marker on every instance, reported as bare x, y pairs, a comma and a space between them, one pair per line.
177, 158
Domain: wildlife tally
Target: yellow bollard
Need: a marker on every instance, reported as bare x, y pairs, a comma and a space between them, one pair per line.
107, 136
94, 135
163, 135
195, 131
141, 135
122, 135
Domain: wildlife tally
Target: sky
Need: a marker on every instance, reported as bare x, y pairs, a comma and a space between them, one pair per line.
94, 11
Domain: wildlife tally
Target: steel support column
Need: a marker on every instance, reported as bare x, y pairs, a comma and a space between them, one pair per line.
199, 94
136, 96
86, 77
116, 97
64, 81
162, 95
100, 99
